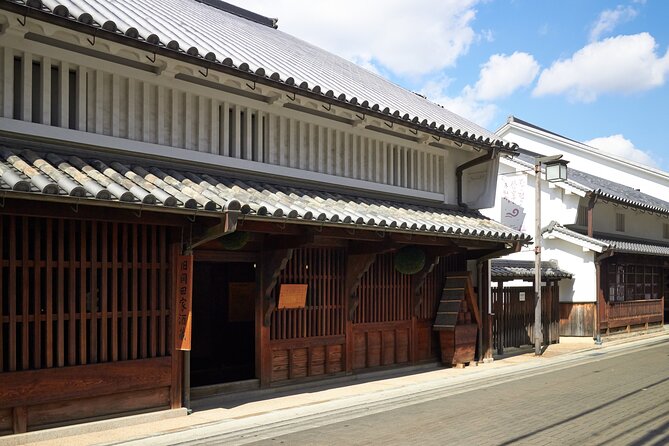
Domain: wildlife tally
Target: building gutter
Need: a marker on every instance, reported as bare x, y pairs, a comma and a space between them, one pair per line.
469, 164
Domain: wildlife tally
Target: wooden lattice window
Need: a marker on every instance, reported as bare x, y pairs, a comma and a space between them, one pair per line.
323, 271
81, 292
665, 230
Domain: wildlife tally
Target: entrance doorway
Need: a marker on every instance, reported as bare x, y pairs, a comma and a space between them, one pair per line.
223, 346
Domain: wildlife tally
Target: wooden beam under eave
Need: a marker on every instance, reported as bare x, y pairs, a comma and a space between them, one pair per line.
356, 267
272, 264
356, 247
227, 225
276, 242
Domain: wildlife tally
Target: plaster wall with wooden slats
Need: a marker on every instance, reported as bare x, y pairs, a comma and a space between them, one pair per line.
169, 104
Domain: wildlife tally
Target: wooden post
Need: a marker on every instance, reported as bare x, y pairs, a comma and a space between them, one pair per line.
20, 419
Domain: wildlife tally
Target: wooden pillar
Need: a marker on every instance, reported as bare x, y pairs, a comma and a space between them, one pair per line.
486, 312
263, 365
20, 419
176, 393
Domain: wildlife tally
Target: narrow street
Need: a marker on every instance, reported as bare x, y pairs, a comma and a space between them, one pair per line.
613, 400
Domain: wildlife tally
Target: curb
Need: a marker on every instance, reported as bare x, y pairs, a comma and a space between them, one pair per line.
90, 427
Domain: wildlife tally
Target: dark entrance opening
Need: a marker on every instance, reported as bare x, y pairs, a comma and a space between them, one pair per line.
223, 346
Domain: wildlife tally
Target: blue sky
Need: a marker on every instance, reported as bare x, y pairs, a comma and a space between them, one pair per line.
594, 71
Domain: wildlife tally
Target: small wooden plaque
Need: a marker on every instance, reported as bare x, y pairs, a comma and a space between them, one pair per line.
293, 295
184, 313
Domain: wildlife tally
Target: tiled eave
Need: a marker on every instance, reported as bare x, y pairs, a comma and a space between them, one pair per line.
580, 189
636, 247
49, 176
556, 230
152, 44
503, 269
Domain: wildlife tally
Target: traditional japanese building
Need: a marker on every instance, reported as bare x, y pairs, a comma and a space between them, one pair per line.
606, 227
189, 197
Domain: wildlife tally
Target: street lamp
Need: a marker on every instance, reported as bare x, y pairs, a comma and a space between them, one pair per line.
556, 170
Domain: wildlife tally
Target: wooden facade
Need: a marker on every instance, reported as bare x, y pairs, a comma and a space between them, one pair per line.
633, 292
85, 313
386, 328
88, 283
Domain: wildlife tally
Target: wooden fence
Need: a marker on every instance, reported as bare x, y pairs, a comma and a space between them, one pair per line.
513, 320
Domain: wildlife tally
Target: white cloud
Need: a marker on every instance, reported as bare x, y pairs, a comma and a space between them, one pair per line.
499, 78
609, 19
502, 75
622, 64
620, 146
464, 104
406, 38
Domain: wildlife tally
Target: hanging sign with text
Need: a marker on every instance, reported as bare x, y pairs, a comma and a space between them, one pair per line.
184, 309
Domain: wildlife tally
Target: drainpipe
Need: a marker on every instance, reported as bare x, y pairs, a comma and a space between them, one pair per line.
591, 207
475, 162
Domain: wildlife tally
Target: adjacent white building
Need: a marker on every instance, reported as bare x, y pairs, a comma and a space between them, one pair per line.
607, 226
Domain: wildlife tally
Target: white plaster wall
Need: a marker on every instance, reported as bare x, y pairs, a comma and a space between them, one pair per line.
637, 224
582, 287
584, 158
518, 187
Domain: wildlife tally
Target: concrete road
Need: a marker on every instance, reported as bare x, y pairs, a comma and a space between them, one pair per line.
605, 400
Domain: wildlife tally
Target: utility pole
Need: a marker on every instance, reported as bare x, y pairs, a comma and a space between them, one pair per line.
556, 170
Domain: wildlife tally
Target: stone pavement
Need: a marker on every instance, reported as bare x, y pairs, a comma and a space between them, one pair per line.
608, 399
279, 410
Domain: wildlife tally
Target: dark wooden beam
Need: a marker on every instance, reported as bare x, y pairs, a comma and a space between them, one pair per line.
356, 247
418, 280
356, 266
210, 255
272, 264
419, 239
274, 242
227, 225
81, 211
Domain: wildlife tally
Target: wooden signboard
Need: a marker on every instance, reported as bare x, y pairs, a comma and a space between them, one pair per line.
241, 301
184, 309
293, 295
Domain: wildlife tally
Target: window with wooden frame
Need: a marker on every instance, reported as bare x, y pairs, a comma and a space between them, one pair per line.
620, 222
665, 230
627, 282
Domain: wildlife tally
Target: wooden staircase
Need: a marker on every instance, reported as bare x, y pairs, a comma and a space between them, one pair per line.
458, 320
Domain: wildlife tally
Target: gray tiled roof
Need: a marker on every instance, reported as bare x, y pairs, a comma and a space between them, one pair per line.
555, 227
607, 189
637, 247
524, 269
173, 188
197, 29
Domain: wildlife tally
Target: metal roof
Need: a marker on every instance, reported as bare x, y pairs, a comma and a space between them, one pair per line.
637, 247
559, 231
213, 34
524, 269
604, 188
173, 188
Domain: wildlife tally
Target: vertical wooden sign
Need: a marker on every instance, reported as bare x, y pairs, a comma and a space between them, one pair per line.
184, 309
